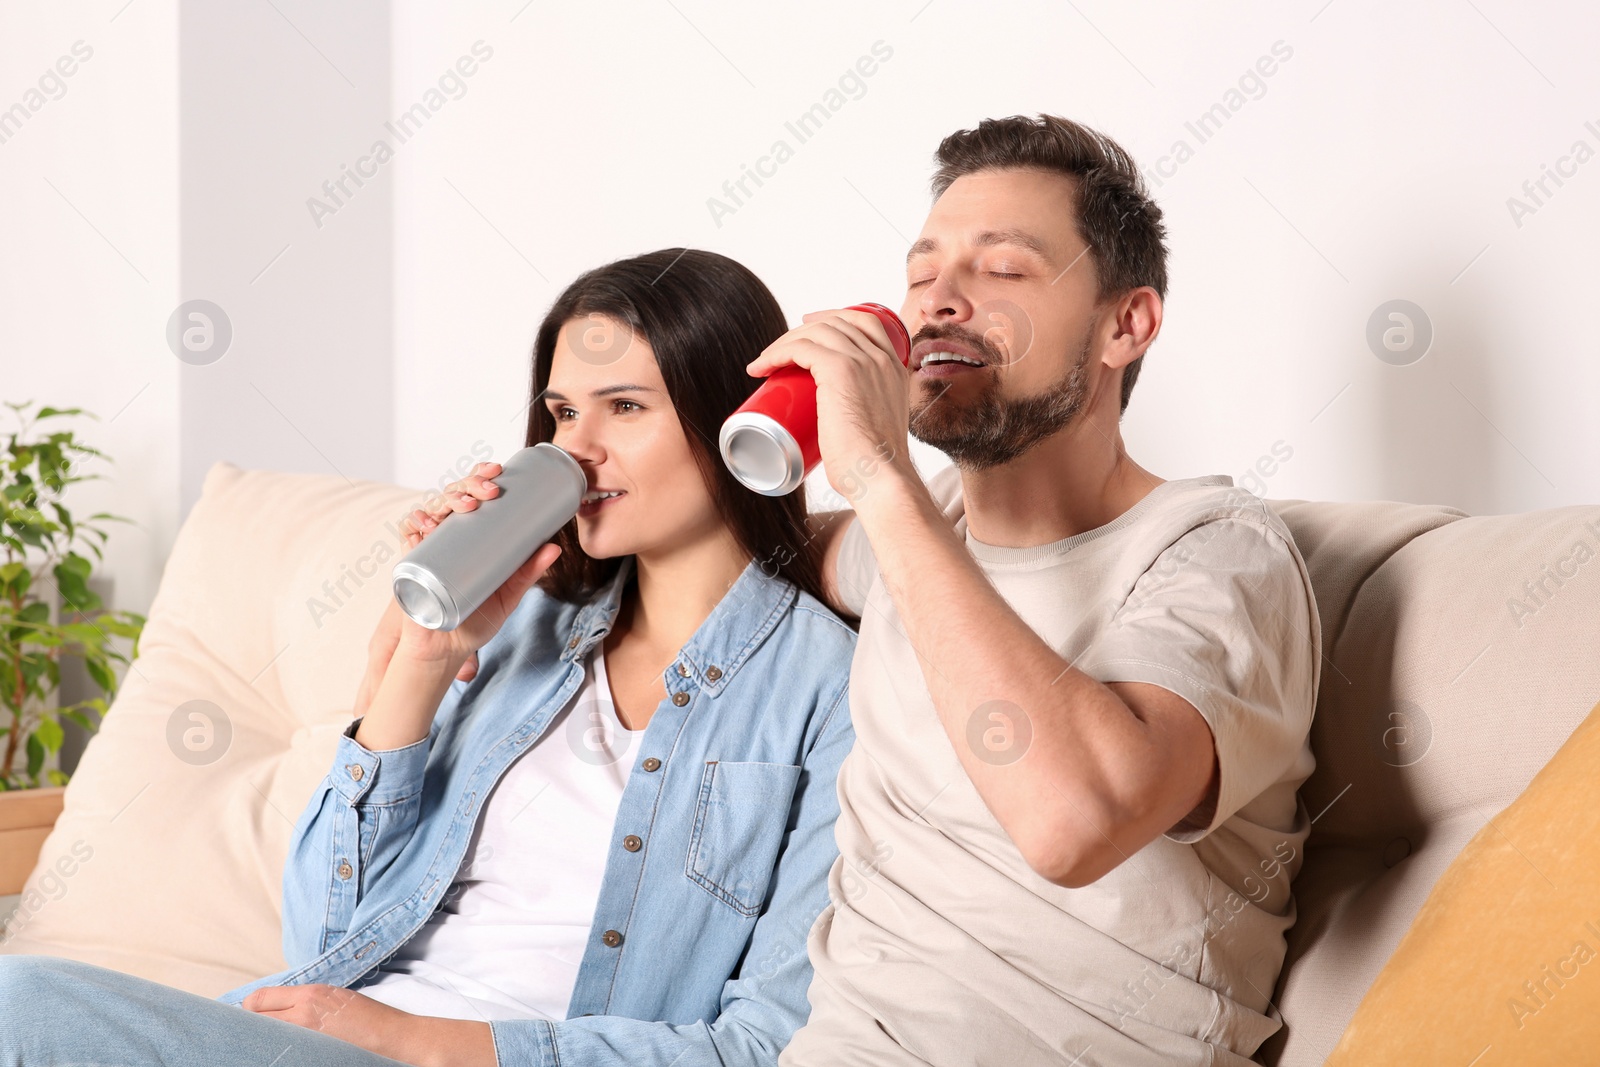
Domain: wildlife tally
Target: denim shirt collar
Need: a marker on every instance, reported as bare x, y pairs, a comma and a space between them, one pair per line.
742, 619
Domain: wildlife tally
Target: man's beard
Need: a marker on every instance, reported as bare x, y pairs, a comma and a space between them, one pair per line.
988, 430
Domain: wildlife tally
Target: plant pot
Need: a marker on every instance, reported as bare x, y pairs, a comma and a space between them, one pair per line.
26, 818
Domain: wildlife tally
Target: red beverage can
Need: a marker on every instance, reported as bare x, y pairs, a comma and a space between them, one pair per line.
770, 442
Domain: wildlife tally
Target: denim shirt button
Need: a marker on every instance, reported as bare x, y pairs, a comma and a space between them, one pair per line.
713, 673
356, 771
651, 764
680, 699
611, 938
683, 670
633, 843
345, 870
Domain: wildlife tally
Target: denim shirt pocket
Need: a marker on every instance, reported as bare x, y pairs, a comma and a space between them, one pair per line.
739, 823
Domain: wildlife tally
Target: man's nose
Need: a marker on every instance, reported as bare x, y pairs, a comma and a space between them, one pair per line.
942, 300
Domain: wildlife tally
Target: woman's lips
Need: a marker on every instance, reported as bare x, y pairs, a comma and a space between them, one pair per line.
587, 509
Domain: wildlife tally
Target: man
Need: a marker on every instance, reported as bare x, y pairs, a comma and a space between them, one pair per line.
1081, 692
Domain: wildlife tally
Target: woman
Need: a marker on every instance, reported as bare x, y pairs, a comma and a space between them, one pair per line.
594, 823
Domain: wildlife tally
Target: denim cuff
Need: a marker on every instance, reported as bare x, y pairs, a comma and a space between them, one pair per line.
523, 1042
385, 776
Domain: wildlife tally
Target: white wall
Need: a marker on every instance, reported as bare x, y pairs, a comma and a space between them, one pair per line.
392, 342
1373, 164
89, 256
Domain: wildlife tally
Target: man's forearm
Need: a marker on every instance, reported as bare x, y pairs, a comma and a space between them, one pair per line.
987, 670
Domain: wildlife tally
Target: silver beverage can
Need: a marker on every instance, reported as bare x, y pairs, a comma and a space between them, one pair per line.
452, 571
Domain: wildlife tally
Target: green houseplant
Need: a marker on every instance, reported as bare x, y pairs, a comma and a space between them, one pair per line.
41, 542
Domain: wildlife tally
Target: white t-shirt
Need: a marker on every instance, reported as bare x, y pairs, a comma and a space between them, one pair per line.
508, 936
941, 945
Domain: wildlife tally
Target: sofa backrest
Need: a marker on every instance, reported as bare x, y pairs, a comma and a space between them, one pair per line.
1460, 652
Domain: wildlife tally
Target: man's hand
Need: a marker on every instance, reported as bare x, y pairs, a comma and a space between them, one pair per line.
863, 393
350, 1016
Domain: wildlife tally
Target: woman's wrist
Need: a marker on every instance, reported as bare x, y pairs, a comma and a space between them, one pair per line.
425, 653
438, 1042
402, 709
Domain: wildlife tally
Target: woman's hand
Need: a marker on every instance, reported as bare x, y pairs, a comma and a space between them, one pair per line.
354, 1017
396, 631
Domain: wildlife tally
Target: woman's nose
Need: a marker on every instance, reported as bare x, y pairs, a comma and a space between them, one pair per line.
580, 441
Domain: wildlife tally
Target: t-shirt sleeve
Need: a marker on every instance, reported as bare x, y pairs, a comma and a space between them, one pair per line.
857, 567
1225, 618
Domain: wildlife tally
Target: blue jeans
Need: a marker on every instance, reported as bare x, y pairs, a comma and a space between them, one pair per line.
57, 1011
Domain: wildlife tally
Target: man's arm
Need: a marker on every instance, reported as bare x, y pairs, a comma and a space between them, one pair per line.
1107, 769
829, 527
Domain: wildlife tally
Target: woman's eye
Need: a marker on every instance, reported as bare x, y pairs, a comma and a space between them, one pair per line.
561, 413
630, 404
1002, 274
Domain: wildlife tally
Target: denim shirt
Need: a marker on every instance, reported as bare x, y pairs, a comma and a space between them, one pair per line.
697, 952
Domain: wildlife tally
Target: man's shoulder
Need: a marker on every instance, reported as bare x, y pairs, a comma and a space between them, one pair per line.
1206, 497
1182, 505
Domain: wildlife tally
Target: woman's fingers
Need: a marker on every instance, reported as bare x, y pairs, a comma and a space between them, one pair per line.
272, 998
469, 669
462, 495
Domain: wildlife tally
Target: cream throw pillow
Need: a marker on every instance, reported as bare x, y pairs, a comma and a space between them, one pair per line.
177, 822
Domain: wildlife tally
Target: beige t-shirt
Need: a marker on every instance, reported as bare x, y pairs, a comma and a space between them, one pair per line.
942, 946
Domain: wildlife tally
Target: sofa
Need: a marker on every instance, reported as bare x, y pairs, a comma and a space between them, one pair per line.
1460, 653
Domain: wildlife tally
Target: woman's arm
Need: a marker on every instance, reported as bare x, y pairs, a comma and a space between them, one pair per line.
365, 809
765, 1002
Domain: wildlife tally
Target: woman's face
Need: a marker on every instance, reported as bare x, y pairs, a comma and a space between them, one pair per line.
612, 413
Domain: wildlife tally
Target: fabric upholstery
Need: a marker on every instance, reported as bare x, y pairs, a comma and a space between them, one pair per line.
1494, 965
1438, 705
272, 590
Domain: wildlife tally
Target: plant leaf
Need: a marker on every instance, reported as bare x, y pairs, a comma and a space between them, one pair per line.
50, 734
101, 673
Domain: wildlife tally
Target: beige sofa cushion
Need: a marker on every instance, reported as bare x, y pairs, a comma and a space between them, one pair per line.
264, 611
1438, 705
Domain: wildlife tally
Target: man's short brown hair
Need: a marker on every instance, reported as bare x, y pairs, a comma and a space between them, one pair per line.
1117, 219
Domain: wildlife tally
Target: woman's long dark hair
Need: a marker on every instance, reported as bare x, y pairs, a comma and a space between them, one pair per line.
705, 317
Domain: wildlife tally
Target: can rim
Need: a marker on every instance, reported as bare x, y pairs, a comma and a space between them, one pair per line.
571, 464
449, 614
767, 429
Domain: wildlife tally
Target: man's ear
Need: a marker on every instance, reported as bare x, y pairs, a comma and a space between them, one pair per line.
1138, 322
